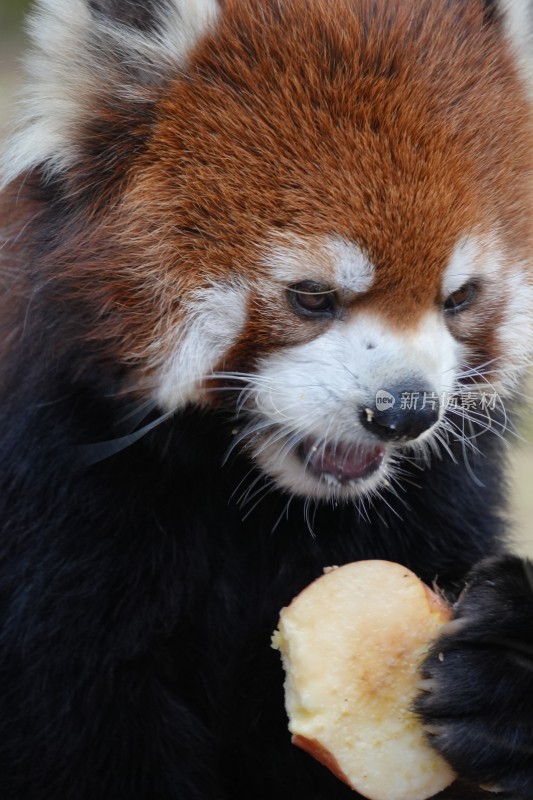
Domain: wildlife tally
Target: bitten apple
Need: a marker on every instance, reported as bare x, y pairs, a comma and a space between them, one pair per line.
352, 643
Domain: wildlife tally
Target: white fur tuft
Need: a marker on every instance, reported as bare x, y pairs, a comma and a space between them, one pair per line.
215, 318
290, 259
78, 56
518, 15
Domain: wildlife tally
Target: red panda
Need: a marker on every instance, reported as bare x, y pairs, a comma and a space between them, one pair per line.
267, 307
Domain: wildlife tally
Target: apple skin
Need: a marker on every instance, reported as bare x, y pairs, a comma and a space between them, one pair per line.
351, 644
319, 752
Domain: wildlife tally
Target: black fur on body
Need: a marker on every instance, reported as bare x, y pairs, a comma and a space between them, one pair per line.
139, 606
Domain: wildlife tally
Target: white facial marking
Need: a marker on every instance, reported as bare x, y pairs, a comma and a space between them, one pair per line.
336, 371
332, 259
78, 56
353, 271
462, 265
516, 327
518, 17
318, 390
214, 320
506, 290
473, 257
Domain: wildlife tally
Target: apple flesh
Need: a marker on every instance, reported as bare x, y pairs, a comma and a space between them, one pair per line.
352, 644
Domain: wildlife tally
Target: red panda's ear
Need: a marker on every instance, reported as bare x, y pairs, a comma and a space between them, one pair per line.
93, 56
156, 17
145, 15
515, 18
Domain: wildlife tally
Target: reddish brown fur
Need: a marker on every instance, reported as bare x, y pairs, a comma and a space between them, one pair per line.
334, 122
401, 130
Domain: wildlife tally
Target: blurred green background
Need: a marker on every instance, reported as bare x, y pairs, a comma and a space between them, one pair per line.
11, 42
11, 12
521, 452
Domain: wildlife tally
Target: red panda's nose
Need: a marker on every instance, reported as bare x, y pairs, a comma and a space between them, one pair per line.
401, 414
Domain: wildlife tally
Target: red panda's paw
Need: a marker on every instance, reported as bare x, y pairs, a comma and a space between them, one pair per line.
477, 698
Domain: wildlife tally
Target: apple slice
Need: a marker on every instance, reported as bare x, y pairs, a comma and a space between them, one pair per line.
352, 643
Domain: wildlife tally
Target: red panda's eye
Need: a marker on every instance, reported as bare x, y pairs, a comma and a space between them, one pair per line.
461, 299
309, 298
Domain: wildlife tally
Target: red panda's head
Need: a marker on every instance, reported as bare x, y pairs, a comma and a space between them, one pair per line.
317, 212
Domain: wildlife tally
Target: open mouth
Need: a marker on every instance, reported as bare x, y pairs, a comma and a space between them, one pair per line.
341, 462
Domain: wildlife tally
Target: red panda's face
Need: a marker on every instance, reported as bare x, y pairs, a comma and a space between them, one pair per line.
348, 230
329, 411
327, 229
331, 389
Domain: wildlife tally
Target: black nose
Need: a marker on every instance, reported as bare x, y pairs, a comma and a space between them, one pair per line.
400, 415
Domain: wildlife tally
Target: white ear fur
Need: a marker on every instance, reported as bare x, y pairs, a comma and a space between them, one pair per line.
518, 22
78, 54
